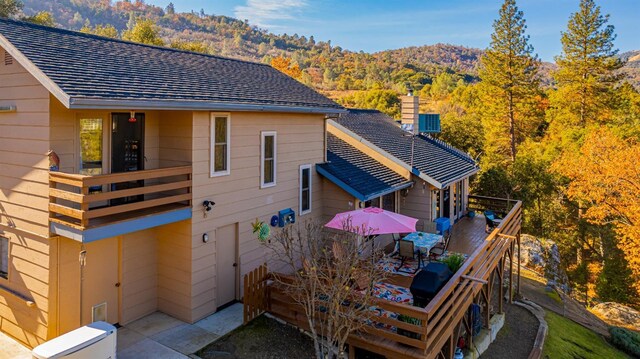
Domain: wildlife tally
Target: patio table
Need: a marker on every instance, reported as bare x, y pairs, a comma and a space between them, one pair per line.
424, 241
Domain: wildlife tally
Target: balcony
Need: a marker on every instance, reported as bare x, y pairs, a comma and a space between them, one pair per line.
88, 208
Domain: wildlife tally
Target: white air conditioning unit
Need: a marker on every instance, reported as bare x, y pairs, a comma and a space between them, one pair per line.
94, 341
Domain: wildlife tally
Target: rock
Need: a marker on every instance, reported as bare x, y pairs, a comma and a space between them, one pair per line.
618, 314
543, 257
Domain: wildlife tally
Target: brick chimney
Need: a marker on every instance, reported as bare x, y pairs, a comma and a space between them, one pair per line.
410, 110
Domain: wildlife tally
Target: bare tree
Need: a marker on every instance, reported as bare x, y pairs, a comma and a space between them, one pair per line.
330, 277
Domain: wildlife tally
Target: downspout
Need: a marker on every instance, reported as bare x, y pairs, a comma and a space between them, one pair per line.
58, 285
324, 154
83, 260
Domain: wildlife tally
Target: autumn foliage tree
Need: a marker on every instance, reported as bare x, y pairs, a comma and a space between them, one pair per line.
143, 31
107, 30
284, 65
605, 176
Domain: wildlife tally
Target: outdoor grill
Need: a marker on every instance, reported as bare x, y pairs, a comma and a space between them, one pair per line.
428, 282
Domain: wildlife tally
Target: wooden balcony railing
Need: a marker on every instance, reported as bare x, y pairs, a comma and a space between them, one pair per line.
80, 202
439, 320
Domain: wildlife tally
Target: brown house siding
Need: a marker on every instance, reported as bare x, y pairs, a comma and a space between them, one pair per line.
24, 140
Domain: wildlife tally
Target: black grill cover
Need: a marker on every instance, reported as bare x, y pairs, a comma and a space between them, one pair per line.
428, 282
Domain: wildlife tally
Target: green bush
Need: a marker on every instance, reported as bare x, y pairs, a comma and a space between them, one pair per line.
454, 261
626, 340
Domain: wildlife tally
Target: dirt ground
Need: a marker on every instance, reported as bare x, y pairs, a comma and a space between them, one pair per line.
515, 339
263, 338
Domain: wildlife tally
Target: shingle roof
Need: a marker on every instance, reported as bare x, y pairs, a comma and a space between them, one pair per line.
433, 158
90, 69
363, 177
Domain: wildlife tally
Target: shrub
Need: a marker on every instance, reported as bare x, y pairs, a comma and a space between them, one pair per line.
454, 261
626, 340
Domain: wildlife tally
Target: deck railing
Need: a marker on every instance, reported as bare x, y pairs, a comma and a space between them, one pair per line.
451, 303
440, 319
79, 200
498, 205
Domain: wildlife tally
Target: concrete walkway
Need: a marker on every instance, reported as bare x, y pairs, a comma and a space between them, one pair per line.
161, 336
11, 349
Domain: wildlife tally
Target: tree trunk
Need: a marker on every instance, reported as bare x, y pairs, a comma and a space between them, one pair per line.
512, 127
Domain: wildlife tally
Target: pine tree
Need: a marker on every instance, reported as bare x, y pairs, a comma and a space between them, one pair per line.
171, 9
586, 74
510, 85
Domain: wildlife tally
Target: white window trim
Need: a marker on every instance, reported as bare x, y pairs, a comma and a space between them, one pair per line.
7, 258
212, 144
264, 134
303, 167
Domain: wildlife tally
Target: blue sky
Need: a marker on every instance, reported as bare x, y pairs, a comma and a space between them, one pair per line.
377, 25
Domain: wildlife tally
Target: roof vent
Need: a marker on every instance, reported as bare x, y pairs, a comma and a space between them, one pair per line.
8, 59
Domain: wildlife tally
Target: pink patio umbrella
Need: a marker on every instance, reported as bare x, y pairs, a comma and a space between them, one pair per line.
373, 221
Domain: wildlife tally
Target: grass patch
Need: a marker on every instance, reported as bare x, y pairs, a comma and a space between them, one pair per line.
569, 340
528, 273
555, 296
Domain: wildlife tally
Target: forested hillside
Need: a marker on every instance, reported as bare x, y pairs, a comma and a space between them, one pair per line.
324, 65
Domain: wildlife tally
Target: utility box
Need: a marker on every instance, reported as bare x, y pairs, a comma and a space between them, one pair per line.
94, 341
286, 216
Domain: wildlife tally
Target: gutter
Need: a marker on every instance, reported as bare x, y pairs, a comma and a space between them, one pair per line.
459, 178
362, 197
118, 104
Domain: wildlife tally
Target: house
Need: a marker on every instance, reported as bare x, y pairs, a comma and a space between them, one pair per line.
372, 161
131, 175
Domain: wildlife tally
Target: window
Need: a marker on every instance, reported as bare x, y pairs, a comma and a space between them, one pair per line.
4, 257
374, 202
91, 146
435, 204
268, 159
389, 202
220, 141
305, 189
386, 202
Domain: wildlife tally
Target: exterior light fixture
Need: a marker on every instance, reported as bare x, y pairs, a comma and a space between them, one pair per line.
205, 238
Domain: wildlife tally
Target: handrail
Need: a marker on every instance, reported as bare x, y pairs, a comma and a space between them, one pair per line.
482, 203
71, 198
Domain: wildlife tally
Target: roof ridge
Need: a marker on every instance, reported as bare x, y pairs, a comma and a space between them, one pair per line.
447, 147
104, 38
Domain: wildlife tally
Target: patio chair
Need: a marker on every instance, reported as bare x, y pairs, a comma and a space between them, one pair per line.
490, 223
430, 227
440, 248
407, 250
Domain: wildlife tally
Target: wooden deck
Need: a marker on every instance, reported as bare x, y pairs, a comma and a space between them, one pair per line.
468, 234
447, 316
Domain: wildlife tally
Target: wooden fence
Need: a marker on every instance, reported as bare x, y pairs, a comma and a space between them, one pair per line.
255, 293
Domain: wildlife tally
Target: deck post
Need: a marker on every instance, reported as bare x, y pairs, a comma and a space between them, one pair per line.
518, 286
501, 290
511, 272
